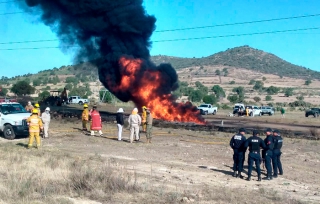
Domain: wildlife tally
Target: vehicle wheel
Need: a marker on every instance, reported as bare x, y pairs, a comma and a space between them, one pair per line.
80, 103
315, 115
307, 115
262, 113
8, 132
206, 112
270, 114
214, 112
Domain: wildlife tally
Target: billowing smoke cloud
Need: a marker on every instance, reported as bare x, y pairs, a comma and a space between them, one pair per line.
107, 31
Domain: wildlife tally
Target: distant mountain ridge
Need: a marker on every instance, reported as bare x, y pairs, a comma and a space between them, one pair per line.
243, 57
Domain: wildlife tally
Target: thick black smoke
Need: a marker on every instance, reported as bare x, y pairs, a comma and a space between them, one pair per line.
104, 30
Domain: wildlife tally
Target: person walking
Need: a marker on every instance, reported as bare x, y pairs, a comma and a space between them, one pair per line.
254, 143
120, 122
96, 124
283, 111
29, 107
237, 144
134, 123
35, 125
144, 118
149, 121
276, 161
45, 116
85, 117
268, 152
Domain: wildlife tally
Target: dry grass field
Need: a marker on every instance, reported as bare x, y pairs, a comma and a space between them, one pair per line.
180, 166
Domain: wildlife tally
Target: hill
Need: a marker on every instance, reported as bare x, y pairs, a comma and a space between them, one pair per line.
243, 57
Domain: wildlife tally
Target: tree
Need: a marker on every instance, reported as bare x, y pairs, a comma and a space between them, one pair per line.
225, 72
3, 91
22, 88
307, 82
44, 94
288, 92
69, 86
264, 78
239, 90
272, 90
252, 81
233, 98
268, 98
232, 82
210, 99
258, 85
218, 73
195, 96
218, 91
36, 82
257, 99
300, 98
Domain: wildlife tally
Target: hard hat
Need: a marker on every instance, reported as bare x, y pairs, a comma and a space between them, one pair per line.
47, 109
85, 105
37, 105
35, 111
144, 107
120, 110
135, 110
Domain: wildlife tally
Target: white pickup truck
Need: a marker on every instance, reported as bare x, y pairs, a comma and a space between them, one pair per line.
78, 100
13, 120
206, 109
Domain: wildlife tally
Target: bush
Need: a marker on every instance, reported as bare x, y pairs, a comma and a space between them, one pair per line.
22, 88
252, 81
268, 98
307, 82
232, 82
36, 82
233, 98
210, 99
225, 107
257, 99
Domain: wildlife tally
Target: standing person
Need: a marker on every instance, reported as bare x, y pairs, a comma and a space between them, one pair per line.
35, 125
268, 141
144, 118
149, 126
45, 116
96, 124
64, 96
29, 107
254, 143
37, 106
134, 123
120, 122
276, 162
247, 111
283, 111
85, 117
237, 144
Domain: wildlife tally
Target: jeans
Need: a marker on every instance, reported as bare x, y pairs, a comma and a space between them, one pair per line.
119, 131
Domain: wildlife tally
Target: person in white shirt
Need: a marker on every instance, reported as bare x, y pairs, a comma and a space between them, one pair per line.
45, 116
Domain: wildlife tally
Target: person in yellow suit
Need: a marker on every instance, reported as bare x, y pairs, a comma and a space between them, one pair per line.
37, 106
144, 118
35, 125
247, 111
85, 117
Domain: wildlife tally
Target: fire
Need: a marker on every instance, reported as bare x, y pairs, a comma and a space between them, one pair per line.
144, 87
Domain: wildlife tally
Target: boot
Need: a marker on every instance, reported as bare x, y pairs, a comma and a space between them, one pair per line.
235, 174
259, 177
239, 175
249, 178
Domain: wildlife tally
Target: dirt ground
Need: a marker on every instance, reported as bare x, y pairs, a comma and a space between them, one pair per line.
194, 166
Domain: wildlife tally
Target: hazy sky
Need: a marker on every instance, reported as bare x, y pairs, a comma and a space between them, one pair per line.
301, 47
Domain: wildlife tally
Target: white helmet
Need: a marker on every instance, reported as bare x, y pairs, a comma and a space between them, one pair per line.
135, 110
47, 109
120, 110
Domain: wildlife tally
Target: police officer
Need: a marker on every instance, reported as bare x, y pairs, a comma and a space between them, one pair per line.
254, 143
237, 144
268, 152
276, 162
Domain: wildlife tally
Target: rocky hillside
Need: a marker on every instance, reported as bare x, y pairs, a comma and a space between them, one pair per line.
244, 57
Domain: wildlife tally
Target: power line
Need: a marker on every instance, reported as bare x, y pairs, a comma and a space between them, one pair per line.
240, 23
4, 2
2, 14
31, 41
184, 39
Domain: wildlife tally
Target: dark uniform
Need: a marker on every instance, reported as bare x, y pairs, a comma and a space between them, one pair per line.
254, 143
237, 144
276, 162
268, 153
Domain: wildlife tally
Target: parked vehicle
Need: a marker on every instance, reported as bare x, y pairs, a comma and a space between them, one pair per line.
239, 109
313, 111
13, 120
266, 110
206, 109
78, 100
254, 110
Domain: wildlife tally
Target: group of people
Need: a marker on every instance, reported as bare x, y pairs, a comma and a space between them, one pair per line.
271, 153
37, 122
134, 120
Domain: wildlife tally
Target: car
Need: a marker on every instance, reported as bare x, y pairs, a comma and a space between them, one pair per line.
78, 100
313, 111
13, 120
254, 110
266, 110
206, 109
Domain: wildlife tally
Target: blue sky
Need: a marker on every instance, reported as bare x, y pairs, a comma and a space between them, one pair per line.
301, 47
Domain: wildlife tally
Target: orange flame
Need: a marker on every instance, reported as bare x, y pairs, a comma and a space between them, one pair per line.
144, 92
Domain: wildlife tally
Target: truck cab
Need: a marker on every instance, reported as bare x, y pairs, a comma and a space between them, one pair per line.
78, 100
206, 109
13, 118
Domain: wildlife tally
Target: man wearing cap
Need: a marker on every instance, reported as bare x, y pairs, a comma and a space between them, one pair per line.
45, 116
120, 122
276, 162
134, 123
254, 143
237, 144
268, 152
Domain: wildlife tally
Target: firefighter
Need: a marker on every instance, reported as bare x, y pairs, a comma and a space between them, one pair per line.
35, 125
96, 124
149, 126
144, 118
85, 117
247, 111
29, 107
134, 123
37, 106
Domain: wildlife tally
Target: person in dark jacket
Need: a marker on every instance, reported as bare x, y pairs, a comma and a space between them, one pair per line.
237, 144
268, 152
254, 143
120, 122
276, 162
